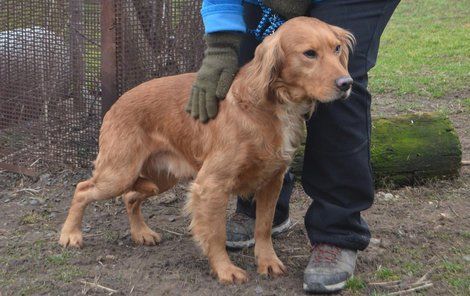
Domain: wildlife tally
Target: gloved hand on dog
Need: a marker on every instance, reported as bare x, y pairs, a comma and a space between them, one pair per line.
220, 63
288, 8
214, 78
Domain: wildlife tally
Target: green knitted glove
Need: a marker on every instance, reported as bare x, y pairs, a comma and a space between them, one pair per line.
214, 78
288, 8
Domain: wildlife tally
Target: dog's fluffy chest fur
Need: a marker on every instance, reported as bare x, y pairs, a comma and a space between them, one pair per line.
292, 124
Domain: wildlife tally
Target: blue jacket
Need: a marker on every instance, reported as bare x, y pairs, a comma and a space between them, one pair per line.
225, 15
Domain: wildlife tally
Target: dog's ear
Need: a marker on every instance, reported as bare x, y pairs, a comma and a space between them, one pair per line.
266, 66
347, 43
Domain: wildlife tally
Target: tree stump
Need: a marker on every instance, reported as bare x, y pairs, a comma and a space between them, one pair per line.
409, 149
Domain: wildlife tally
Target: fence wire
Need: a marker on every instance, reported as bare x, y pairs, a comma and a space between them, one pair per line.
156, 38
50, 63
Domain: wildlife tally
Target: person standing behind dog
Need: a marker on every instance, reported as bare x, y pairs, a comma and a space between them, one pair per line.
337, 172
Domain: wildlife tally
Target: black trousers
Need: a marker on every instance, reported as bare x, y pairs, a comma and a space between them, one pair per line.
337, 172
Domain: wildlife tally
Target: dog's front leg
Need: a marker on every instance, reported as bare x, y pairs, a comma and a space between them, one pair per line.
208, 204
266, 198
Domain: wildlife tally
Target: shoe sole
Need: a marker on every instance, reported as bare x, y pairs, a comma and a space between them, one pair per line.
320, 288
250, 243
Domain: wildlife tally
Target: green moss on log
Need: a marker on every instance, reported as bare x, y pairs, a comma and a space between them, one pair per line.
409, 149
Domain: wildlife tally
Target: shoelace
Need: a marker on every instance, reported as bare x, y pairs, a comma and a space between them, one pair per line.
269, 23
325, 253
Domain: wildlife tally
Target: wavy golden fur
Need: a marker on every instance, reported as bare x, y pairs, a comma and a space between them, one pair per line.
148, 142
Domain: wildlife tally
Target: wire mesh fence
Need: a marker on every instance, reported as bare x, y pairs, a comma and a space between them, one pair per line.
52, 77
156, 38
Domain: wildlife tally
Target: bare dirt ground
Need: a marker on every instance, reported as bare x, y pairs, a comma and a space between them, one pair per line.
416, 231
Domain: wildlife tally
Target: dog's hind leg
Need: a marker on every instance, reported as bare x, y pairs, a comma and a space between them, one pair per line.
85, 193
266, 198
144, 188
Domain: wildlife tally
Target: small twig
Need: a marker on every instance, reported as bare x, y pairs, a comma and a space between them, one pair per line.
424, 277
170, 231
94, 285
289, 230
293, 224
29, 190
465, 162
418, 284
382, 284
292, 249
34, 162
453, 211
425, 286
299, 256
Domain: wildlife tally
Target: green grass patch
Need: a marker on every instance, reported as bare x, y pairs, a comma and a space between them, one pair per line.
59, 259
68, 273
32, 218
452, 267
425, 49
355, 284
466, 234
466, 104
456, 276
460, 283
413, 268
111, 235
386, 274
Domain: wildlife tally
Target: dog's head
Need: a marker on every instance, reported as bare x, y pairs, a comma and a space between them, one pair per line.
305, 60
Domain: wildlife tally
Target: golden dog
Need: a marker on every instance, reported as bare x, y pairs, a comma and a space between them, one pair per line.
148, 141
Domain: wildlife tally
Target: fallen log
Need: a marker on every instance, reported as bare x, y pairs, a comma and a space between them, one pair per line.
409, 149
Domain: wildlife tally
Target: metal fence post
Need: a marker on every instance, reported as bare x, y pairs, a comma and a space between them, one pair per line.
108, 54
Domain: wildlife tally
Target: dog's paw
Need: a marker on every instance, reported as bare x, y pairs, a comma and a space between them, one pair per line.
71, 239
230, 274
271, 266
146, 236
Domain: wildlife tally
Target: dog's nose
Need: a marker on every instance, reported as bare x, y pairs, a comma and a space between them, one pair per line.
344, 83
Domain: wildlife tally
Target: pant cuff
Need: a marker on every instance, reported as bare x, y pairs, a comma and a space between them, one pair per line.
352, 242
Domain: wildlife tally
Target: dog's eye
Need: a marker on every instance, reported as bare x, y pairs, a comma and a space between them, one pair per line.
311, 54
338, 49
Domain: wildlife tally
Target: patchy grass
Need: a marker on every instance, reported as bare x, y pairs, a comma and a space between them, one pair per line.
425, 50
386, 274
68, 273
32, 218
413, 268
59, 259
111, 235
355, 284
465, 234
460, 283
466, 104
456, 276
451, 267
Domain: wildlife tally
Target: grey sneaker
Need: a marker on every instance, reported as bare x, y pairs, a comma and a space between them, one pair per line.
241, 229
329, 268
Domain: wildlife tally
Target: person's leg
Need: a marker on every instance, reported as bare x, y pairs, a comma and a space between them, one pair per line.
337, 172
